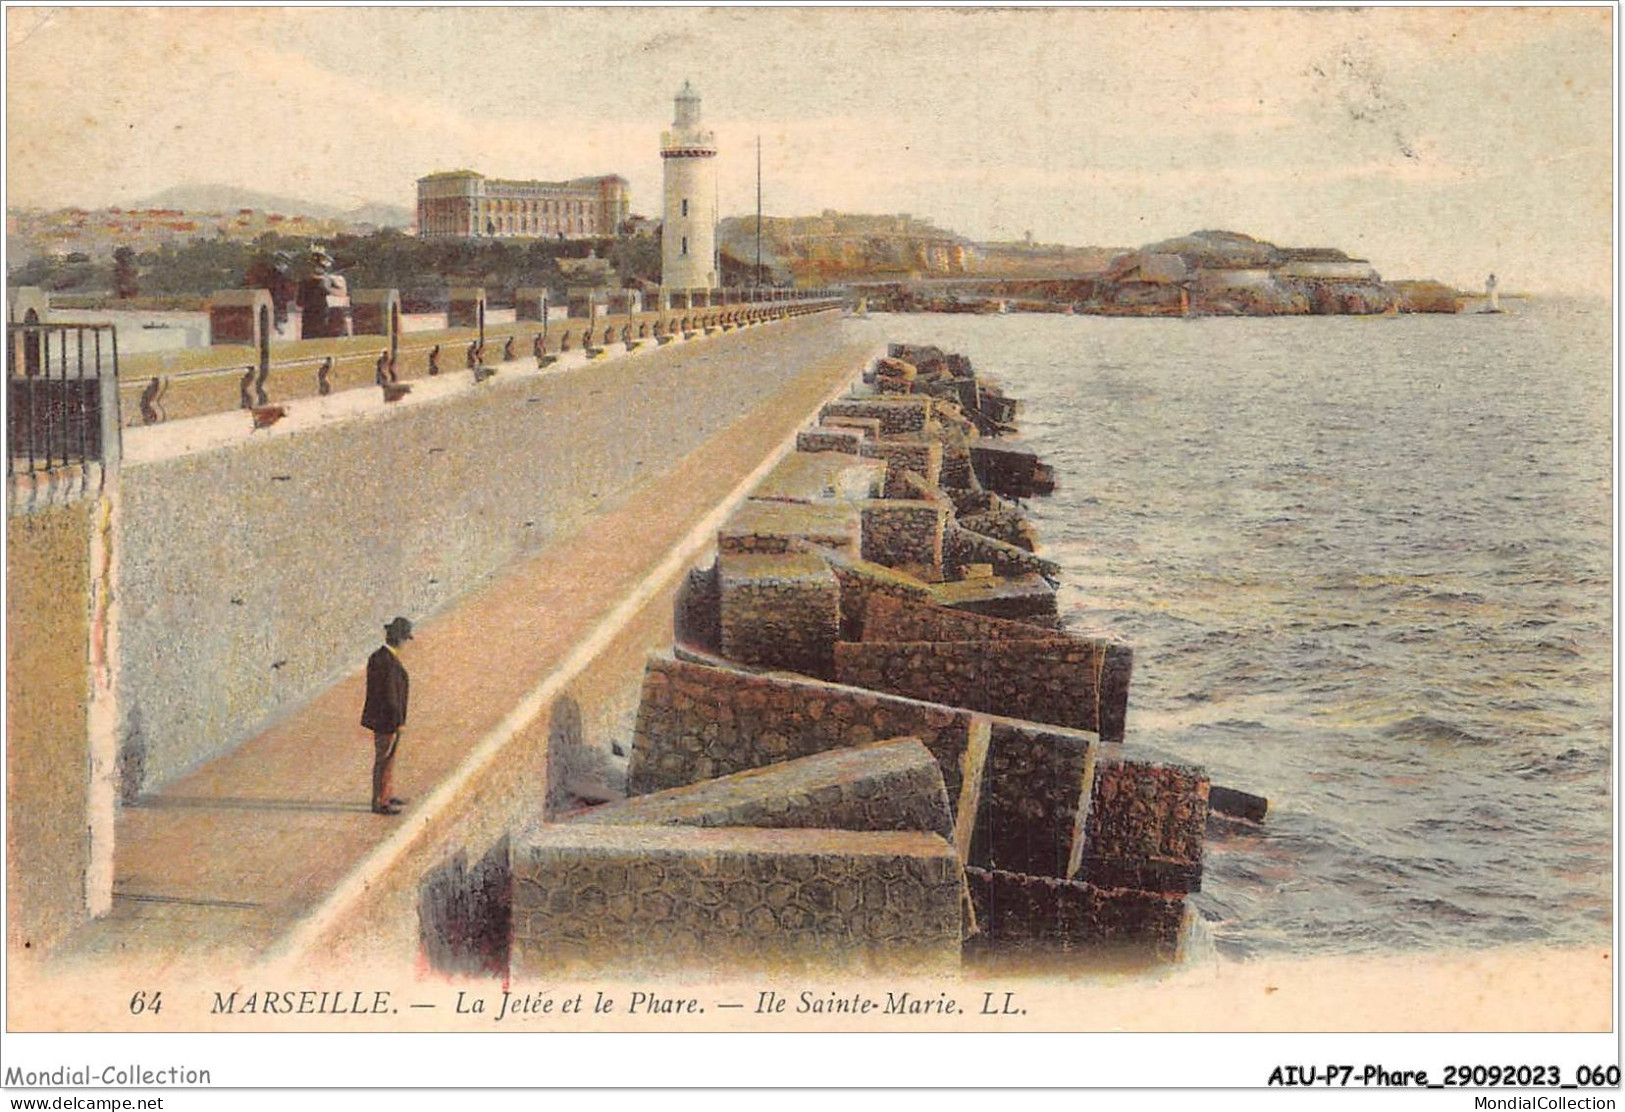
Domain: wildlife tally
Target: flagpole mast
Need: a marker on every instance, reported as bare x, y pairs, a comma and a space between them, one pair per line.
758, 208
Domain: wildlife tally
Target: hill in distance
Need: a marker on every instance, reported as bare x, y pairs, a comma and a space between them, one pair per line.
228, 198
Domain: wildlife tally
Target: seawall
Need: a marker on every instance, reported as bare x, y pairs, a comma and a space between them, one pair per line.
253, 575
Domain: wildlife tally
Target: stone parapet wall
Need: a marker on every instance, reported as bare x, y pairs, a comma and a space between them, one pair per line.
1044, 679
235, 608
588, 898
886, 785
696, 723
779, 611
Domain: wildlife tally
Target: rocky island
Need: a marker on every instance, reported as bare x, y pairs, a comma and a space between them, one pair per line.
1218, 273
1205, 273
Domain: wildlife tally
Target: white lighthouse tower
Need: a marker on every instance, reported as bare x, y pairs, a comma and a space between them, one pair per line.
688, 247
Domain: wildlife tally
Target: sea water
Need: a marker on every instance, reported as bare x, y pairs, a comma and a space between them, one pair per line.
1365, 566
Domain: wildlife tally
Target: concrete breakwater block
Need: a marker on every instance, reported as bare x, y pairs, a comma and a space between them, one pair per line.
1053, 679
1146, 826
866, 427
898, 416
919, 455
1237, 804
904, 533
779, 611
1002, 522
805, 476
963, 547
696, 722
1012, 470
592, 897
1018, 597
776, 527
862, 580
1014, 910
829, 440
898, 618
1035, 792
886, 785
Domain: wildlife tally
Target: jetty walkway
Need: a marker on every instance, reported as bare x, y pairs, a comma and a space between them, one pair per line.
252, 853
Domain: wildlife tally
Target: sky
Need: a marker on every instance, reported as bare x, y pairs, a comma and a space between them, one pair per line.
1443, 143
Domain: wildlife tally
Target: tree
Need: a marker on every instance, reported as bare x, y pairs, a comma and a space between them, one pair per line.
126, 275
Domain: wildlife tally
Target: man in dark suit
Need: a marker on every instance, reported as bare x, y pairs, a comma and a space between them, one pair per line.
385, 712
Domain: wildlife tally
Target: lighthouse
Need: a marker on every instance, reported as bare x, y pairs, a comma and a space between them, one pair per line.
688, 247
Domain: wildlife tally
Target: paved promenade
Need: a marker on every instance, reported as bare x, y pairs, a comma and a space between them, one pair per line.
227, 860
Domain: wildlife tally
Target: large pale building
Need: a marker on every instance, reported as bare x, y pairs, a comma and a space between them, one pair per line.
688, 236
463, 204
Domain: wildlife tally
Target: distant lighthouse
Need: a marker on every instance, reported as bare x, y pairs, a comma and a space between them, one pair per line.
688, 247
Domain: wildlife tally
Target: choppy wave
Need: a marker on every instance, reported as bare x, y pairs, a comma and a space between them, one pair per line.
1366, 567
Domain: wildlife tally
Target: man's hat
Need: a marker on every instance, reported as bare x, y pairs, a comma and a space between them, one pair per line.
400, 629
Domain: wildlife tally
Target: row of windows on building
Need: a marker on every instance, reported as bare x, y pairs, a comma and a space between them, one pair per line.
458, 217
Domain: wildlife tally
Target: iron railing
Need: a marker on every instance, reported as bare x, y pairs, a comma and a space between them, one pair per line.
62, 402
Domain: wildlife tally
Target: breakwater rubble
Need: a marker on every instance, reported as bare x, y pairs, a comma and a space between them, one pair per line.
872, 746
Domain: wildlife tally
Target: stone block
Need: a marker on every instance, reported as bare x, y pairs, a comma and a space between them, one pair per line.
820, 476
999, 407
904, 533
1005, 468
767, 527
1017, 597
898, 416
867, 427
1002, 522
860, 580
963, 547
696, 722
898, 618
1146, 825
588, 898
921, 456
779, 611
697, 610
886, 785
1053, 679
957, 472
1044, 913
1034, 791
829, 440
